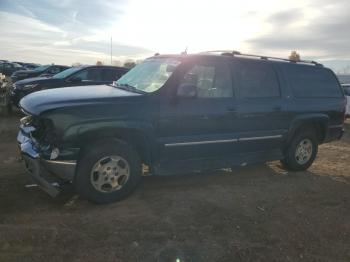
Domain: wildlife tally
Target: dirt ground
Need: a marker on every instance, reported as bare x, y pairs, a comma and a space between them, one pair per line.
257, 213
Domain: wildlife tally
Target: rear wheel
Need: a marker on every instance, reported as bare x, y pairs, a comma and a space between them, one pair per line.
108, 172
301, 151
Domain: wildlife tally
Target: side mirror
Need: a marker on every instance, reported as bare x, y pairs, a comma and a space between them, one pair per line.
75, 79
187, 90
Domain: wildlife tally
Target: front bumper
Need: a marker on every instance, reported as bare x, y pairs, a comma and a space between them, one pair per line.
44, 172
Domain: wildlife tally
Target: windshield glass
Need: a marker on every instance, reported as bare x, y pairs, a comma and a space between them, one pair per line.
41, 68
66, 72
150, 75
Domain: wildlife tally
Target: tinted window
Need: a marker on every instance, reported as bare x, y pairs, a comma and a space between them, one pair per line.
211, 80
54, 70
347, 90
308, 81
90, 74
256, 80
110, 74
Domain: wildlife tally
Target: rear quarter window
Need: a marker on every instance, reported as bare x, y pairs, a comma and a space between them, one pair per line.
309, 81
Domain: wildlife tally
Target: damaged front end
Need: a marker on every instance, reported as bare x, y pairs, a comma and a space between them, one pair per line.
39, 148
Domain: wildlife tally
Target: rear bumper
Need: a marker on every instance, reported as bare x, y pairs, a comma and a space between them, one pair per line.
335, 132
44, 172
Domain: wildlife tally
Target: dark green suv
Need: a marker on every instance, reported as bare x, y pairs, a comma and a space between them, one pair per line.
179, 113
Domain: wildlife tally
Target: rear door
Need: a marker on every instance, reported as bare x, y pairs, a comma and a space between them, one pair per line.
262, 120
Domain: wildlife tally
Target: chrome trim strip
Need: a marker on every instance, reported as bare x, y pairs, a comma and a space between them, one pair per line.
223, 141
202, 142
336, 126
259, 138
62, 162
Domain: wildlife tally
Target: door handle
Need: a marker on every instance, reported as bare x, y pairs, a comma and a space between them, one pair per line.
231, 110
277, 108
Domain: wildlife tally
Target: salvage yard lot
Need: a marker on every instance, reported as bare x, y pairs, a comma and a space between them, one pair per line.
256, 213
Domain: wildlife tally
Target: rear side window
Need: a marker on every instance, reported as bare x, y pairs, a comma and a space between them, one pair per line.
89, 74
256, 80
110, 74
307, 81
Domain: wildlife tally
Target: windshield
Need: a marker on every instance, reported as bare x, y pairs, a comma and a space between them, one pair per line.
41, 68
150, 75
66, 72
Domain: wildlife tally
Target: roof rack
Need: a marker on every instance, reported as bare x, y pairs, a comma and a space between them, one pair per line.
236, 53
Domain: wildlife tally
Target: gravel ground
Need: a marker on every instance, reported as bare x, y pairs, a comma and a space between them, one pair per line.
256, 213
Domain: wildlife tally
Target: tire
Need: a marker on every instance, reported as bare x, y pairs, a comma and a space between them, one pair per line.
304, 139
102, 172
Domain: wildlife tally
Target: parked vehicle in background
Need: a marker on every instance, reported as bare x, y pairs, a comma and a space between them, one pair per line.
75, 76
346, 88
344, 79
5, 105
45, 70
179, 113
8, 68
29, 66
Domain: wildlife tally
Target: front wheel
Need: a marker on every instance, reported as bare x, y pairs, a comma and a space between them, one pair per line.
108, 172
301, 151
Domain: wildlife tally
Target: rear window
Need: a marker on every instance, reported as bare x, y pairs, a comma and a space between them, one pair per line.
307, 81
256, 80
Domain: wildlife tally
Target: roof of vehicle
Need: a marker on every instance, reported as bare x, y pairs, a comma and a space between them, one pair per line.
238, 55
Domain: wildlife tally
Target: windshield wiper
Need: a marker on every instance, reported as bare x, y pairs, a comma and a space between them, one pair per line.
128, 87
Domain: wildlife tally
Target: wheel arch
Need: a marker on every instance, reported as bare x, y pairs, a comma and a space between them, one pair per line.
318, 122
140, 139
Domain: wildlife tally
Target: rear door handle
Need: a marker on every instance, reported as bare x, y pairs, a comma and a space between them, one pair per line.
277, 108
231, 110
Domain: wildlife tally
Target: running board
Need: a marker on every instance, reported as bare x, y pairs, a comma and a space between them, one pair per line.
190, 165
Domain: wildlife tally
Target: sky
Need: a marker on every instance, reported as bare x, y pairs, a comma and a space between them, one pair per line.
69, 31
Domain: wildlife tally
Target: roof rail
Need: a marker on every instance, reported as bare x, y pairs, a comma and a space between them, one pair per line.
236, 53
222, 52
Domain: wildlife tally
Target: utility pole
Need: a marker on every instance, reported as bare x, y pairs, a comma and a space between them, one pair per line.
111, 49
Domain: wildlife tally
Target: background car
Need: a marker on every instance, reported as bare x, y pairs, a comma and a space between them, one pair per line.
29, 66
44, 70
75, 76
346, 88
8, 68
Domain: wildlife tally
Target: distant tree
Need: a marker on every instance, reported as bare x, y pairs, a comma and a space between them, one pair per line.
117, 63
129, 63
76, 64
139, 61
294, 56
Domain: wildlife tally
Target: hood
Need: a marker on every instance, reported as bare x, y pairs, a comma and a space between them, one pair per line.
38, 102
32, 80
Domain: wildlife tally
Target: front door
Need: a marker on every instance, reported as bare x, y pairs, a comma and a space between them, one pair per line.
202, 125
